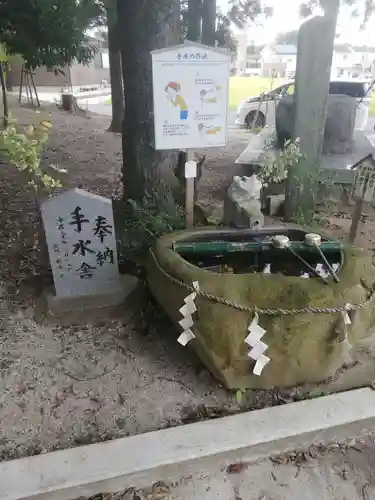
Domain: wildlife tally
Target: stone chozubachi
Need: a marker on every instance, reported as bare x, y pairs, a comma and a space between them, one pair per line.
303, 348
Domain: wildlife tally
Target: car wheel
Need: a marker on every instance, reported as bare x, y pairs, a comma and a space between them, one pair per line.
260, 120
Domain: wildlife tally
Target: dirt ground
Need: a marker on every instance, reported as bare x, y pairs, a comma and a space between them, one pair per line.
61, 386
66, 386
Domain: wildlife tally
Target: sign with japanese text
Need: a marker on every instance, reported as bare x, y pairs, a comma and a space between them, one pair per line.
81, 243
190, 84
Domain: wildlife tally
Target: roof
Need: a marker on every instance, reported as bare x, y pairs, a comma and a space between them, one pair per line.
369, 157
343, 48
284, 49
363, 48
254, 50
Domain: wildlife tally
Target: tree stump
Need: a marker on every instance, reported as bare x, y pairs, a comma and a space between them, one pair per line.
67, 102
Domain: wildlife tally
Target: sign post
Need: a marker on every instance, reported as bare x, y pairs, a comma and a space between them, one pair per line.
190, 175
190, 86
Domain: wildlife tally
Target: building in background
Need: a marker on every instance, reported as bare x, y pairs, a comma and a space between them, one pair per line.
279, 60
75, 76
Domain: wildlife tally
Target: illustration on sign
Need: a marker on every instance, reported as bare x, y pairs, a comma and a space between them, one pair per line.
208, 129
190, 112
173, 95
81, 242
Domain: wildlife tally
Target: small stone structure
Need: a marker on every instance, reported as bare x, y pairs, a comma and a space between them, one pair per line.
303, 347
242, 206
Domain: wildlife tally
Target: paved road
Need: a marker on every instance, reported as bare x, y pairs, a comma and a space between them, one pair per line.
340, 474
106, 109
100, 108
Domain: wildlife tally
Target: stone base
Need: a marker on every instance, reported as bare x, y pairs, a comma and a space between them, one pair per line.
275, 204
83, 309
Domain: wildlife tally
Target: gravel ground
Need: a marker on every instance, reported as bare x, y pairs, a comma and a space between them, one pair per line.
67, 386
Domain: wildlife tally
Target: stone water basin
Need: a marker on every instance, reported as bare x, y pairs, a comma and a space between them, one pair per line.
243, 267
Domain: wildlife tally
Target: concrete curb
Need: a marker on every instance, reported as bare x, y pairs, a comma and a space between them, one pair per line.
173, 453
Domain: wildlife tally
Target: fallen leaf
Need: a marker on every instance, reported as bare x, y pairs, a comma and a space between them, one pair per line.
160, 491
237, 468
132, 494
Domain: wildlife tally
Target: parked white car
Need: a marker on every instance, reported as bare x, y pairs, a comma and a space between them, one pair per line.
263, 107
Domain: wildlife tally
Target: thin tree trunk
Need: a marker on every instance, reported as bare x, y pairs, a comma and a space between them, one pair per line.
209, 22
194, 20
5, 95
115, 71
145, 26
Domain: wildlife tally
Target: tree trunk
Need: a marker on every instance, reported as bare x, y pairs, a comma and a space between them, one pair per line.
209, 22
316, 36
5, 96
115, 71
194, 20
144, 26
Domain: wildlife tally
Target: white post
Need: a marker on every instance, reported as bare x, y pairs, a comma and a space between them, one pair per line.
190, 175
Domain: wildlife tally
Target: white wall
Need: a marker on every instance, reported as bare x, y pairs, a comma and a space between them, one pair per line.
105, 60
241, 39
269, 56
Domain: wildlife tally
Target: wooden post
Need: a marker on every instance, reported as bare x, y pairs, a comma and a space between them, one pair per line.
355, 220
189, 189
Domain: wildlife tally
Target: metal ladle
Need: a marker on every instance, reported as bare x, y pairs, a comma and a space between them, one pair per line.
283, 242
314, 240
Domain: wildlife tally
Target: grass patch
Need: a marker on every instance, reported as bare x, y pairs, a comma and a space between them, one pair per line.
372, 105
241, 87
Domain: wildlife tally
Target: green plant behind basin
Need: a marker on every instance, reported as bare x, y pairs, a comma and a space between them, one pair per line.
276, 168
144, 222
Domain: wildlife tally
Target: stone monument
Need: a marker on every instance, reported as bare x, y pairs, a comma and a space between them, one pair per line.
81, 242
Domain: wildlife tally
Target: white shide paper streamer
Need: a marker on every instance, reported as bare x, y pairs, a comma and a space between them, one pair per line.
187, 311
258, 348
347, 322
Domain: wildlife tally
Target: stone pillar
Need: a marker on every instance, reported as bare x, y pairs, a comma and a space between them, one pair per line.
314, 60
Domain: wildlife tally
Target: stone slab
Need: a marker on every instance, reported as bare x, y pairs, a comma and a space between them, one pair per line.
83, 309
256, 152
276, 204
336, 166
170, 454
